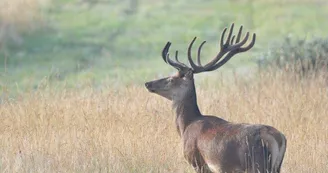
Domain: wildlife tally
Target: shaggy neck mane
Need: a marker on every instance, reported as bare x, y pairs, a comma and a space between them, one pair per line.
186, 109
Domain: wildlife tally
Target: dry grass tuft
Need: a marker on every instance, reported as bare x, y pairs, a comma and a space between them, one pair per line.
131, 130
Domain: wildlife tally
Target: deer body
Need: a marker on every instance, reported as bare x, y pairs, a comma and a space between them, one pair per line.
211, 144
220, 146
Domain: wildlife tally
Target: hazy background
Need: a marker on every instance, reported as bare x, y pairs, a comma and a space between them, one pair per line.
92, 42
72, 71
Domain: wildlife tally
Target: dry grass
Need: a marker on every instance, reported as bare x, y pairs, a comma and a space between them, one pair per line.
131, 130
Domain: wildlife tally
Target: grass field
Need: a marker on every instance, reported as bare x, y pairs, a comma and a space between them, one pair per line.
131, 130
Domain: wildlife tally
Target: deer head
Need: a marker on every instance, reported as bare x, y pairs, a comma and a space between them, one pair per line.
175, 87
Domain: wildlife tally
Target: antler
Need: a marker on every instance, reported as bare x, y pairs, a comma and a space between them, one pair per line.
176, 64
229, 48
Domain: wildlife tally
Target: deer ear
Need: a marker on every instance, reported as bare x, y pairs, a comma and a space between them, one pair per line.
189, 74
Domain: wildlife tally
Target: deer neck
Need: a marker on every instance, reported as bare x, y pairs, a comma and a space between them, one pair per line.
186, 109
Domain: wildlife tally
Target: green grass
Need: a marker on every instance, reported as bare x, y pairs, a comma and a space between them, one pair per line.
104, 44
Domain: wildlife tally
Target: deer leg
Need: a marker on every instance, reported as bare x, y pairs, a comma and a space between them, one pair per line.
197, 162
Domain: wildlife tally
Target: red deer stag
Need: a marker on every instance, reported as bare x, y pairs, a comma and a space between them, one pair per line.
211, 144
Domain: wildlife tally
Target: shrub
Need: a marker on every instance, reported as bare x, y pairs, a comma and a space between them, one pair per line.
303, 57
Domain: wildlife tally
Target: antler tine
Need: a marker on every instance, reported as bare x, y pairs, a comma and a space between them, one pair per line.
176, 57
178, 66
237, 44
199, 51
191, 62
222, 37
166, 50
166, 57
251, 44
232, 47
234, 52
224, 49
229, 35
239, 33
232, 39
223, 46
